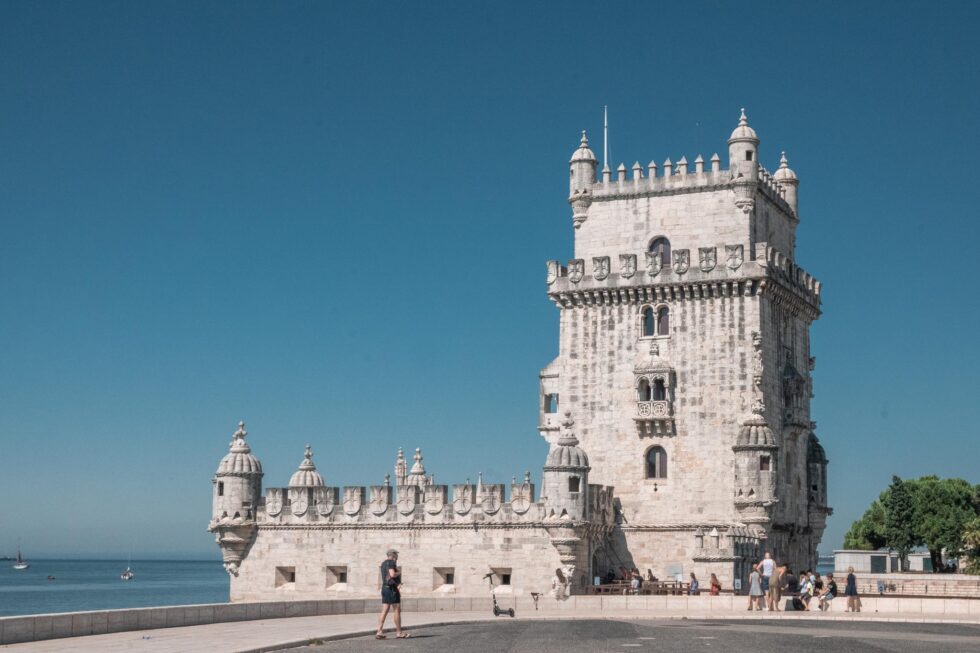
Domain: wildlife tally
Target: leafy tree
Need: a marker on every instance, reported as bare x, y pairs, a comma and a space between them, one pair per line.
898, 502
868, 533
943, 508
971, 540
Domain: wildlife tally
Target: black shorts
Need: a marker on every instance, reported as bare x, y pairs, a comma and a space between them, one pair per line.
390, 596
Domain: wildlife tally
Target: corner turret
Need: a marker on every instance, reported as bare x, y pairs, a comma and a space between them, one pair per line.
743, 151
581, 178
755, 469
566, 477
237, 488
788, 181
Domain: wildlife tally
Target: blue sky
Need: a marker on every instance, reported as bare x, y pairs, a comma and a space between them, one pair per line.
331, 220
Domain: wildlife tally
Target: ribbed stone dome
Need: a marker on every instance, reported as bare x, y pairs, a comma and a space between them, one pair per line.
743, 132
755, 433
814, 450
239, 459
566, 454
306, 475
583, 153
784, 173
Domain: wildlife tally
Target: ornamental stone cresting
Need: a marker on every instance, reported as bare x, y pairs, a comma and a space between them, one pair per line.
684, 443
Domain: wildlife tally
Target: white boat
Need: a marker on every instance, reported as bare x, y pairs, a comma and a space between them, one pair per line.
128, 574
20, 563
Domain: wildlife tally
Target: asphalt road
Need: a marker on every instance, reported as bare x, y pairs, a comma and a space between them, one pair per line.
594, 636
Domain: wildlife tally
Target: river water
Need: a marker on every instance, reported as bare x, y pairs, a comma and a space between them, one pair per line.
95, 585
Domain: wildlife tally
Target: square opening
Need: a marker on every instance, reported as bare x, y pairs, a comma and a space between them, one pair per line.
444, 579
286, 577
502, 579
336, 577
764, 463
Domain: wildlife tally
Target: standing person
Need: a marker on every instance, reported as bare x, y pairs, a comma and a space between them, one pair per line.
559, 586
828, 596
715, 585
755, 588
767, 567
695, 588
851, 592
391, 598
775, 594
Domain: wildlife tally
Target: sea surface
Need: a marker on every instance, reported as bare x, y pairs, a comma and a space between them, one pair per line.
95, 585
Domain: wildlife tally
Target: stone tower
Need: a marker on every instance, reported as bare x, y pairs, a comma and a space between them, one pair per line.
682, 311
236, 494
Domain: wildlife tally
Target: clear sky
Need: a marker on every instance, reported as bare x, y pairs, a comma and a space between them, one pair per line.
332, 220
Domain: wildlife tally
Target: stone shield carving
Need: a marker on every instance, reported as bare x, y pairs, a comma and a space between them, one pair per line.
600, 267
462, 498
298, 501
435, 499
273, 501
353, 498
552, 272
707, 258
492, 499
576, 270
627, 265
380, 499
407, 499
682, 260
735, 256
520, 498
655, 263
326, 500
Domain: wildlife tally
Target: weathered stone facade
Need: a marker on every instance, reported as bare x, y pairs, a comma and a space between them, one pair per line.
684, 373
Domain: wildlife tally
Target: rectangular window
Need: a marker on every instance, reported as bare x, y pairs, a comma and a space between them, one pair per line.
285, 577
505, 579
336, 575
501, 576
221, 488
443, 578
764, 463
551, 403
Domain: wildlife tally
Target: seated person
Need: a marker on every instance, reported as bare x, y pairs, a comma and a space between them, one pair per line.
829, 593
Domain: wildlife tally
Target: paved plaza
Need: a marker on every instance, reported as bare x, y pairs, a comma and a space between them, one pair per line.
594, 636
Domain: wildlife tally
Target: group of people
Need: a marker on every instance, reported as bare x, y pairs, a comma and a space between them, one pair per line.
769, 581
636, 580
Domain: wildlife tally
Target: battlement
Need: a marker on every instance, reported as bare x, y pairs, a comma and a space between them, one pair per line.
652, 280
433, 505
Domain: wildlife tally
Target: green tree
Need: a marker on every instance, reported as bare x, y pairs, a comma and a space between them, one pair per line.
868, 533
899, 506
943, 508
971, 540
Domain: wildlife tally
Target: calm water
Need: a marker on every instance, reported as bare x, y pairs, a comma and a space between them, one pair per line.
95, 585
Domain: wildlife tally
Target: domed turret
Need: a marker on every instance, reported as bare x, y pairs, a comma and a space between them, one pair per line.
743, 146
238, 481
306, 475
755, 468
566, 476
786, 178
417, 475
581, 178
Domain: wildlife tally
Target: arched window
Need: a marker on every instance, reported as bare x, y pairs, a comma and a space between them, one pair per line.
659, 390
643, 391
649, 323
663, 321
656, 463
661, 245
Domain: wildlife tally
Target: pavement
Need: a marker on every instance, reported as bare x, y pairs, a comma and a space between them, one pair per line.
595, 636
543, 631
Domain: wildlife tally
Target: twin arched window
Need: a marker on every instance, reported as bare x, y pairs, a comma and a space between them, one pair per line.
655, 392
656, 322
656, 462
662, 246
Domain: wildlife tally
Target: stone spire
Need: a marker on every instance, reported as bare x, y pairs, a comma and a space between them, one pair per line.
417, 475
401, 468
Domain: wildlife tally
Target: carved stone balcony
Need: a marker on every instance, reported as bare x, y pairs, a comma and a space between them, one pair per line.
654, 418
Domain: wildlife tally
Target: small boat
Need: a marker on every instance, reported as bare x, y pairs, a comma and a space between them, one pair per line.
20, 563
128, 574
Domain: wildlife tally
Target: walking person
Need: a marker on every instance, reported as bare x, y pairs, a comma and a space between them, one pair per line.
559, 586
695, 587
715, 585
755, 588
391, 599
851, 592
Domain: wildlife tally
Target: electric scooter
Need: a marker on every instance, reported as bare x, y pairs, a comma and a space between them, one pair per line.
497, 610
